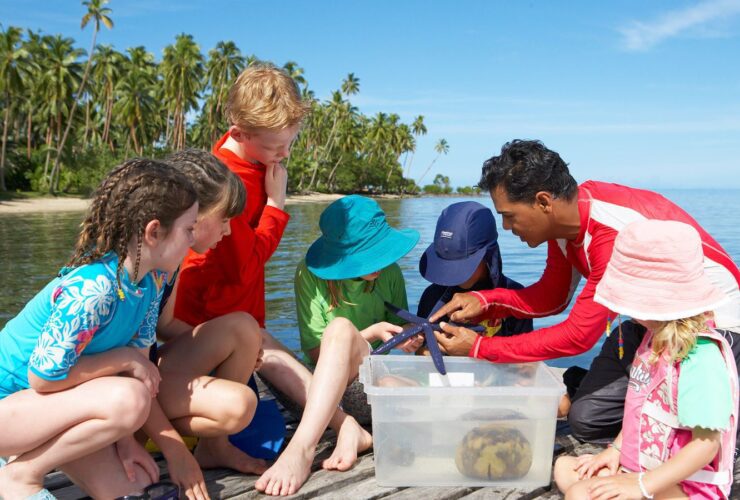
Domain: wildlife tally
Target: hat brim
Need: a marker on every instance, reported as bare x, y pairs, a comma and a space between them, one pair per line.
326, 263
647, 299
445, 272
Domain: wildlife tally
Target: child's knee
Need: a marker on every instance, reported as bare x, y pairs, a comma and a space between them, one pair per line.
339, 330
127, 402
237, 409
245, 326
563, 472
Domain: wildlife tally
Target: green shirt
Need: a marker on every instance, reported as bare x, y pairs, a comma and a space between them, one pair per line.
704, 398
362, 307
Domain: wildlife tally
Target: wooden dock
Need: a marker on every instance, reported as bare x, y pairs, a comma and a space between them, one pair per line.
359, 482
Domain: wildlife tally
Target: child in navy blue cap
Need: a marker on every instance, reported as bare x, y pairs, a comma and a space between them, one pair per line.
465, 257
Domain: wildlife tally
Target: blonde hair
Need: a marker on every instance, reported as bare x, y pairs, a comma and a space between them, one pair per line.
265, 97
336, 297
676, 338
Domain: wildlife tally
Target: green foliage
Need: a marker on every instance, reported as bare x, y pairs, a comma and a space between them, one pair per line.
69, 115
468, 190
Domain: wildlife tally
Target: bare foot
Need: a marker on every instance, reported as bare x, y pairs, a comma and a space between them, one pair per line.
13, 484
351, 440
290, 471
219, 452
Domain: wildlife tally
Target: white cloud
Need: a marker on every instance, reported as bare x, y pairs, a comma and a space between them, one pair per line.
643, 35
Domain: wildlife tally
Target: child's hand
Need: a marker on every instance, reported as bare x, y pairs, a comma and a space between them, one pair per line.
590, 465
621, 486
186, 473
144, 370
276, 183
131, 454
385, 331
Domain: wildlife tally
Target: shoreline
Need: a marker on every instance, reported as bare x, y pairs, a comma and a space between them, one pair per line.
72, 204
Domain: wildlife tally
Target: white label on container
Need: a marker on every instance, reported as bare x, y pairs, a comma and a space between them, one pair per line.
452, 379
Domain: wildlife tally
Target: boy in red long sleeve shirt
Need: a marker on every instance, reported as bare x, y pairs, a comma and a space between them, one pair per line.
265, 110
540, 202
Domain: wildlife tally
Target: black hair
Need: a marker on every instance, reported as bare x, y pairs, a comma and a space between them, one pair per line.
525, 168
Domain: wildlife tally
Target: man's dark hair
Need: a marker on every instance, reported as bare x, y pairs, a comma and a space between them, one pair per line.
525, 168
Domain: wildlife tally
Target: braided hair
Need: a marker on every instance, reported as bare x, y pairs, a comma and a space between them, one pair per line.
131, 195
216, 185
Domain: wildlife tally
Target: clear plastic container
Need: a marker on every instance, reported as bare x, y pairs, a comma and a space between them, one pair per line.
484, 424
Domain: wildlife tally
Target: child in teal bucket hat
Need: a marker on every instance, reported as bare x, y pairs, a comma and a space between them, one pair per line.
340, 289
350, 271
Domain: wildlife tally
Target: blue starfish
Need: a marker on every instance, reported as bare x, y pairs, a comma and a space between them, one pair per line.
420, 325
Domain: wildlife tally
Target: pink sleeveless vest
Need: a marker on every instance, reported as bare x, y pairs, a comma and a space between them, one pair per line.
651, 433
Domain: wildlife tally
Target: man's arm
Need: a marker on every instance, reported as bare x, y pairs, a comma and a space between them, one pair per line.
576, 335
550, 295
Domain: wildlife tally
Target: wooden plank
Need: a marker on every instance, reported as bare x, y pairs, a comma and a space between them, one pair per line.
431, 493
503, 493
366, 489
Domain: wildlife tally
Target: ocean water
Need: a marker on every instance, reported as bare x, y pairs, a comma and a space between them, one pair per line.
34, 246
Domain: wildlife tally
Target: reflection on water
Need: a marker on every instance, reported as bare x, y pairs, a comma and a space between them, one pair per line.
32, 249
34, 246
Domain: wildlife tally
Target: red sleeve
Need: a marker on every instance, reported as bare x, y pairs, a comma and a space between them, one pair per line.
255, 247
229, 277
577, 334
550, 295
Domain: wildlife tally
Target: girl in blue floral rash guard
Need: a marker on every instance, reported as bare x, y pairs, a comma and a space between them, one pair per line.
75, 381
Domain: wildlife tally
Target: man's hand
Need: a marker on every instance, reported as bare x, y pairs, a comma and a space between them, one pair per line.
455, 340
462, 307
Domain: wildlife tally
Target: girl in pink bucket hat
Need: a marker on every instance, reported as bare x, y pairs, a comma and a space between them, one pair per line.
680, 415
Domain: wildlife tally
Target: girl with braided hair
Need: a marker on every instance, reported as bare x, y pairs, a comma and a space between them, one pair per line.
205, 368
75, 382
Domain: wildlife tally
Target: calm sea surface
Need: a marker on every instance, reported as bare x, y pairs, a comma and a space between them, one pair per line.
34, 246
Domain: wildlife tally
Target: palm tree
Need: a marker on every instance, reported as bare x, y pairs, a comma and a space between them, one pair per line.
225, 61
403, 142
60, 74
14, 68
107, 70
341, 109
98, 13
442, 147
135, 102
34, 45
182, 68
418, 128
351, 85
295, 72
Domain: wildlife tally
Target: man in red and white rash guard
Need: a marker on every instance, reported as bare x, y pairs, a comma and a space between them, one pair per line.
539, 201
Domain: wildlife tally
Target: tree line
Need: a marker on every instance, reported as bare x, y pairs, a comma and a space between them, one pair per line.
69, 114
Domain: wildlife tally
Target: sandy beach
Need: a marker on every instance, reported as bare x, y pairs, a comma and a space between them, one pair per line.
50, 204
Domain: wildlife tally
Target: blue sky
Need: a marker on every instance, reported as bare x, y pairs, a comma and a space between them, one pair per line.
642, 92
